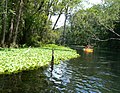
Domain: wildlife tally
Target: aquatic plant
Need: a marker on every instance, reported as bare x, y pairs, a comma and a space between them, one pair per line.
16, 60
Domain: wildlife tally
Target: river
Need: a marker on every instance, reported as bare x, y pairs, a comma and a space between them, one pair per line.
97, 72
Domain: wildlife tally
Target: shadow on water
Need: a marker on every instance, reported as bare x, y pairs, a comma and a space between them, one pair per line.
52, 62
33, 81
24, 82
97, 72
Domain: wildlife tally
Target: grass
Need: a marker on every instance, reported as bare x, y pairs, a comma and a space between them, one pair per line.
17, 60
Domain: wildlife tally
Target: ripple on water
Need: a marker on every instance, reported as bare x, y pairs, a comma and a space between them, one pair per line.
80, 76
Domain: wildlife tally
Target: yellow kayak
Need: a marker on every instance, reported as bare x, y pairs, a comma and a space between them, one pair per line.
88, 50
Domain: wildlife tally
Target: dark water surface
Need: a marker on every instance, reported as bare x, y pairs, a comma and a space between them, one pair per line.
97, 72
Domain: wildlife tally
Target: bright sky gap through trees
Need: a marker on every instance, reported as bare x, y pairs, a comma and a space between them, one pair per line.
86, 3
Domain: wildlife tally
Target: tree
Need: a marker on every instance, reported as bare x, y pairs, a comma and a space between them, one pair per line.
12, 21
109, 16
4, 23
18, 21
96, 24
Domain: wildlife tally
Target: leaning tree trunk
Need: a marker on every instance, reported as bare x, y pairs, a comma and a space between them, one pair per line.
4, 23
57, 19
18, 21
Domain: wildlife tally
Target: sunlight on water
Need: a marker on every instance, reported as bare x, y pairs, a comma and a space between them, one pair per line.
91, 73
98, 72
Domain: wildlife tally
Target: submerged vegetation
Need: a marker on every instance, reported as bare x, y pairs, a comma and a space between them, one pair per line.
16, 60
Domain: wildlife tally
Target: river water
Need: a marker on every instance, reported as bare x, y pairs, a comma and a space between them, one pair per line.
97, 72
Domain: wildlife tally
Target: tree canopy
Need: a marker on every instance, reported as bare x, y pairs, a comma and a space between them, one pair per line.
96, 25
28, 22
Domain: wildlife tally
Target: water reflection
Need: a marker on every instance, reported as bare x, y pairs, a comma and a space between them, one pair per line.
91, 73
98, 72
25, 82
52, 62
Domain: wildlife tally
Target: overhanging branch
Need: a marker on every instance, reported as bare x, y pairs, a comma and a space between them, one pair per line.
103, 40
110, 29
98, 39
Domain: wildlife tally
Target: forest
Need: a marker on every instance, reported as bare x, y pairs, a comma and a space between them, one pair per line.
28, 23
81, 55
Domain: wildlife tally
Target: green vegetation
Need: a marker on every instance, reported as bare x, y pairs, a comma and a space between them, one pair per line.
16, 60
25, 23
30, 23
98, 25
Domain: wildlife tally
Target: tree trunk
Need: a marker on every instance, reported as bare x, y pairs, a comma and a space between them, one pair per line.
11, 31
49, 5
66, 14
4, 23
18, 21
40, 7
57, 19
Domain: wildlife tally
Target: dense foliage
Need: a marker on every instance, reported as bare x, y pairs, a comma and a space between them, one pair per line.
97, 26
28, 23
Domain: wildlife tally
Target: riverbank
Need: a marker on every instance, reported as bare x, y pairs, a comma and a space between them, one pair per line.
16, 60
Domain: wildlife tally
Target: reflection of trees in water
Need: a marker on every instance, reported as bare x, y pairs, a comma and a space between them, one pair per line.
110, 60
97, 71
102, 68
24, 82
52, 62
